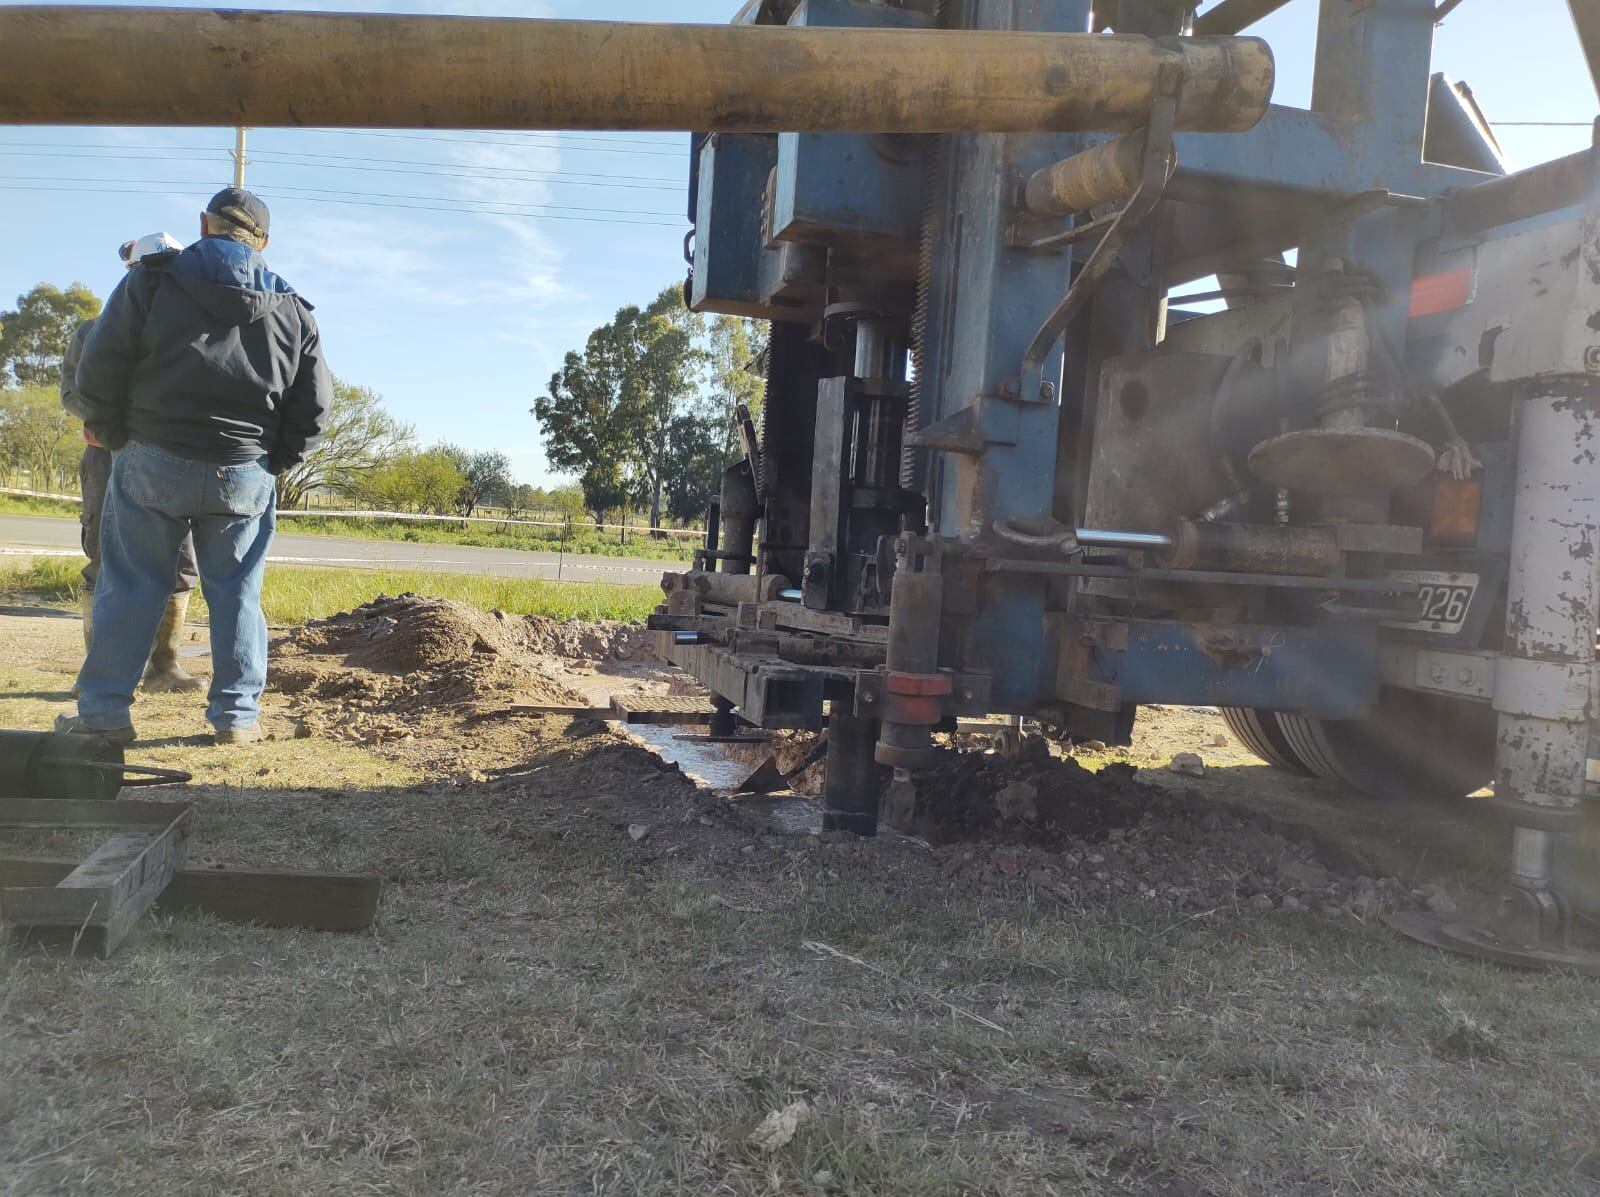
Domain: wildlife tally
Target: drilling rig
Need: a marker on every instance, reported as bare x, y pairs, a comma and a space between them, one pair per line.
1347, 492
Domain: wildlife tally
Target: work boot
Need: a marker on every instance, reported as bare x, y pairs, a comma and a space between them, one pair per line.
72, 725
163, 675
86, 605
248, 734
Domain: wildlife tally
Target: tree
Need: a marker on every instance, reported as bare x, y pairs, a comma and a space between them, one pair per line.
37, 435
583, 420
429, 482
610, 413
567, 501
669, 362
696, 460
646, 412
33, 338
360, 437
521, 500
487, 475
734, 347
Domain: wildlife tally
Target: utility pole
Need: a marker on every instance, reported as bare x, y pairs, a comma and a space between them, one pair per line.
239, 159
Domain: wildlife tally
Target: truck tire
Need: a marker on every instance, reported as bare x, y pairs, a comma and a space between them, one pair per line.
1259, 732
1411, 746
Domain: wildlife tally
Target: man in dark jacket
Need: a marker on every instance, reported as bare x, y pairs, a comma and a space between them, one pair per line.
204, 375
164, 673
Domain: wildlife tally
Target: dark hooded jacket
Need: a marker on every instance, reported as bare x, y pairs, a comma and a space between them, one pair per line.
208, 355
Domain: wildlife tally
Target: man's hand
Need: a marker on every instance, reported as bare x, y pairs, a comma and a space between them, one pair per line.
88, 439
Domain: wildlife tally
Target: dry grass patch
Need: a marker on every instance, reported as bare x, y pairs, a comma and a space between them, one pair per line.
549, 1006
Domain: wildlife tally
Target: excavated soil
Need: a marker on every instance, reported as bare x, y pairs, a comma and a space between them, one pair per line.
1068, 830
443, 673
366, 675
1046, 822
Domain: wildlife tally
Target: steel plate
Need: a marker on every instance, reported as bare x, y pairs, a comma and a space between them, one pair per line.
1328, 461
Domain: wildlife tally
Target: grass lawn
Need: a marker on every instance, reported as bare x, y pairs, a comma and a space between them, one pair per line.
583, 540
588, 978
295, 593
20, 505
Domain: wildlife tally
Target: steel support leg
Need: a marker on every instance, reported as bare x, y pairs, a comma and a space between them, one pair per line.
850, 793
1542, 691
724, 725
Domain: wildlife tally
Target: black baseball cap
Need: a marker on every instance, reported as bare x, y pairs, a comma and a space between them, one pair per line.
243, 208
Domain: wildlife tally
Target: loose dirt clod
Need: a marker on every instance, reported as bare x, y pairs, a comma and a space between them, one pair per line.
779, 1127
1188, 764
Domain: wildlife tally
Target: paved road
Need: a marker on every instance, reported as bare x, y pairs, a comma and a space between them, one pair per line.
52, 536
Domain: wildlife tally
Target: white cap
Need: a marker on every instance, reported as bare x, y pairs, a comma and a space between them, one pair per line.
150, 243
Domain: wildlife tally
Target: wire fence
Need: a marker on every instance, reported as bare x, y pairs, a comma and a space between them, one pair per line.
558, 535
423, 517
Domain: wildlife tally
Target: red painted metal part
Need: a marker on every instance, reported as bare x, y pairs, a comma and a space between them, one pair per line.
915, 697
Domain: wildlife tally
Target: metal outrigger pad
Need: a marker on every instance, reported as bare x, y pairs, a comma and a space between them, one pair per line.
1465, 939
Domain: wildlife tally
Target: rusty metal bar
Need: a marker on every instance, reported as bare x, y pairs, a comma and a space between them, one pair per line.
1232, 16
1559, 183
169, 66
1108, 173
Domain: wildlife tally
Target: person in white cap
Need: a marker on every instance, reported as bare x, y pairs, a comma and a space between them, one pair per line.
162, 673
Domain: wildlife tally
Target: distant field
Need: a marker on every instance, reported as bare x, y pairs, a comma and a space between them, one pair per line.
582, 539
295, 593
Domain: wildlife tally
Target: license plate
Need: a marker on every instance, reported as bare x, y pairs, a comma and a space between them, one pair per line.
1443, 600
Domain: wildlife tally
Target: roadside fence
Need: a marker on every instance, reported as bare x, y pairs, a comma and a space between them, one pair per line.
567, 527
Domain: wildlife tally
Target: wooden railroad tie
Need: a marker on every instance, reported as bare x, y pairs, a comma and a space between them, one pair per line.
90, 906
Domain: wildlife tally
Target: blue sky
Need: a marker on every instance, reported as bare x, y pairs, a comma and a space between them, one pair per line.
459, 317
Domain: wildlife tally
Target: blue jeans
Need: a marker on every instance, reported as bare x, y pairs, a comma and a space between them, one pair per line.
156, 499
94, 479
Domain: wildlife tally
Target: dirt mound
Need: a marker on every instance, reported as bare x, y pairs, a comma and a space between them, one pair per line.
1065, 829
360, 674
417, 632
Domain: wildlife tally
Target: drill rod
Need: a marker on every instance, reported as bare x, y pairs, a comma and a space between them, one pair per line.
191, 66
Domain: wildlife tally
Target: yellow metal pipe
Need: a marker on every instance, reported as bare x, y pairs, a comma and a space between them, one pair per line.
170, 66
1102, 174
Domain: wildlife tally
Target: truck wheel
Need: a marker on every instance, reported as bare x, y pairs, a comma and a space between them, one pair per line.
1259, 732
1411, 746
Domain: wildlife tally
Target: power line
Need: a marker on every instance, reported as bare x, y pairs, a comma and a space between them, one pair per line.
419, 162
509, 173
659, 224
608, 146
461, 199
681, 155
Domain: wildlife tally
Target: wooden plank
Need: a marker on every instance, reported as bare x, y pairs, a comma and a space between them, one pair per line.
831, 623
99, 902
34, 813
672, 709
306, 900
533, 708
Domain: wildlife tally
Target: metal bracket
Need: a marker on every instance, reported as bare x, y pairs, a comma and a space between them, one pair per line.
1542, 689
989, 421
1157, 168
